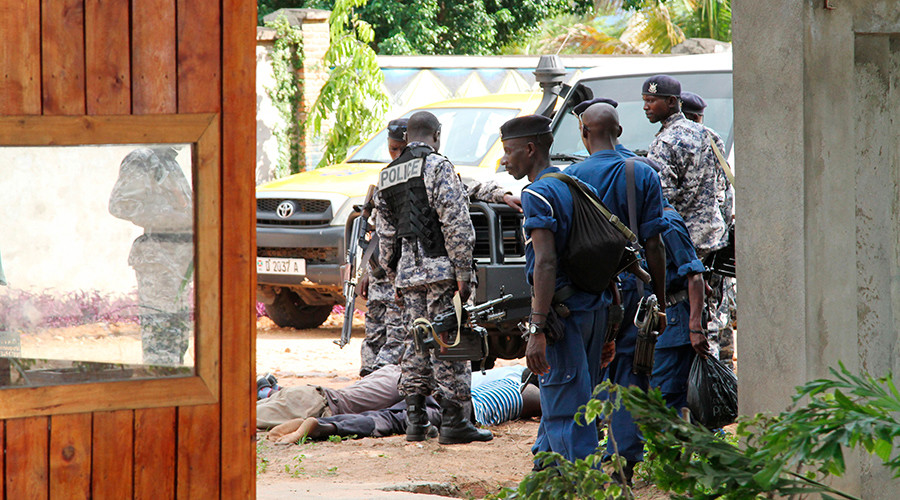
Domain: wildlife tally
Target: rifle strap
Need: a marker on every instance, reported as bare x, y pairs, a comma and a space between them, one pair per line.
722, 162
574, 184
632, 208
370, 251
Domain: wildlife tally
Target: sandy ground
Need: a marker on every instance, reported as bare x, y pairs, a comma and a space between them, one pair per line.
382, 468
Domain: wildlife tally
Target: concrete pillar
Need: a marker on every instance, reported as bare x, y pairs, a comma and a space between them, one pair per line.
818, 254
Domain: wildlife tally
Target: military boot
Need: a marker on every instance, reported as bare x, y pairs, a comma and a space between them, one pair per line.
417, 425
456, 428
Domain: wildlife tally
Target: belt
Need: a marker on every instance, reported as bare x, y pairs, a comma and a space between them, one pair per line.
561, 295
676, 297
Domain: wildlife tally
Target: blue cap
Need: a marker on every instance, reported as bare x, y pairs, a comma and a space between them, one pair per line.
661, 85
397, 129
584, 105
525, 126
692, 103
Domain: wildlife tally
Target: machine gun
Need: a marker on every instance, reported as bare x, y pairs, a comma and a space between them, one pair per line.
471, 340
356, 266
646, 319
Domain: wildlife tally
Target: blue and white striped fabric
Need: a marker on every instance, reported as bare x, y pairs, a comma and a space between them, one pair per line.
497, 401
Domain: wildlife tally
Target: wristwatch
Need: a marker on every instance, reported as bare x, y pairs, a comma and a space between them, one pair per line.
534, 328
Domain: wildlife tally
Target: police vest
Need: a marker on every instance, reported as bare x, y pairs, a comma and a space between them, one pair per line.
402, 185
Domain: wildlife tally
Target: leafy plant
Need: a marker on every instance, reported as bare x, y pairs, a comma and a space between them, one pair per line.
287, 60
337, 439
262, 463
352, 101
296, 468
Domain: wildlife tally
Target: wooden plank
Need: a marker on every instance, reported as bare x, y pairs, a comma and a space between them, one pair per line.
68, 130
70, 456
154, 454
198, 452
238, 248
62, 57
26, 458
20, 58
113, 454
153, 58
199, 57
2, 459
106, 396
107, 57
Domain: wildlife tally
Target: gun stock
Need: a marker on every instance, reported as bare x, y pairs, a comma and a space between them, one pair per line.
356, 246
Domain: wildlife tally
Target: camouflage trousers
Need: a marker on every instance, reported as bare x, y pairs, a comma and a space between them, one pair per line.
385, 340
722, 318
423, 373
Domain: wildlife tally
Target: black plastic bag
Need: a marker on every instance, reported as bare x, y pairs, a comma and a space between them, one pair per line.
712, 393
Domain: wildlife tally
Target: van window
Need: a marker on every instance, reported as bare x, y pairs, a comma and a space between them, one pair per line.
467, 135
637, 131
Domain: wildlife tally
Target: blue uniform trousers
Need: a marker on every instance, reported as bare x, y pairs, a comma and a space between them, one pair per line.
673, 357
568, 387
628, 438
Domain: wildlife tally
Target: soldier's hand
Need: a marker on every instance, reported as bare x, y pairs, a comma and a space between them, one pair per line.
513, 201
536, 354
700, 343
363, 286
661, 322
608, 354
465, 290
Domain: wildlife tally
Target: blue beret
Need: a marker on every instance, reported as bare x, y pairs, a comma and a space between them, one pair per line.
584, 105
692, 103
525, 126
661, 85
397, 129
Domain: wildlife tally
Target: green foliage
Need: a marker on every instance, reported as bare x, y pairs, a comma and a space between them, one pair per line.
287, 60
262, 463
295, 468
353, 99
334, 438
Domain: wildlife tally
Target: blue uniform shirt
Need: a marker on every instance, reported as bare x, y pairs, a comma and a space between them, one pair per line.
681, 260
547, 204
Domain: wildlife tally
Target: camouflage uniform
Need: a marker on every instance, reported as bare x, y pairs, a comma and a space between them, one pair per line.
385, 340
692, 181
427, 284
723, 304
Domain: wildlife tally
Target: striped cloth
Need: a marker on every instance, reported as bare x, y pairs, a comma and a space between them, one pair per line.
497, 401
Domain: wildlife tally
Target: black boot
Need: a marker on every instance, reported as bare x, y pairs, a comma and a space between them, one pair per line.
456, 428
417, 425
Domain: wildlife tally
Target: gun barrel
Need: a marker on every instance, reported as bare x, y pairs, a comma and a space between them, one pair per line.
489, 304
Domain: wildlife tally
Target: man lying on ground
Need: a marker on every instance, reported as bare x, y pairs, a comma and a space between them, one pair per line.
498, 396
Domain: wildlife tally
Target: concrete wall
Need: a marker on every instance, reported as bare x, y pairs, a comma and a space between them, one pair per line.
818, 253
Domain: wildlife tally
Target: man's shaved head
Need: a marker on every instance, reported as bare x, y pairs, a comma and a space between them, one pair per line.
422, 124
601, 118
600, 127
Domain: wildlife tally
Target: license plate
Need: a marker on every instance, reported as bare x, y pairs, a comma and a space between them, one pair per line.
273, 265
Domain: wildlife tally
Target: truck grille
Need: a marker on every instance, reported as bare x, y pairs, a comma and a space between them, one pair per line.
312, 255
305, 206
303, 212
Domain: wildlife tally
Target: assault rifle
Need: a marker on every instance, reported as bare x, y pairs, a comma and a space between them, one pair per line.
356, 266
468, 342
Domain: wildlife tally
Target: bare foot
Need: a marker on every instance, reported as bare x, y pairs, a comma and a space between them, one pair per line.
310, 428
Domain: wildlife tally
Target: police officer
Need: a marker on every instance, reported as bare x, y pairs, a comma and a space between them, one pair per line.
689, 168
723, 300
564, 366
605, 171
684, 336
426, 241
385, 340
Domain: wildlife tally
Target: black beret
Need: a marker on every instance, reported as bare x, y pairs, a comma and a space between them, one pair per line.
525, 126
584, 105
661, 85
692, 103
397, 129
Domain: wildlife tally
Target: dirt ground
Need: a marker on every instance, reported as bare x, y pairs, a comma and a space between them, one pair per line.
379, 468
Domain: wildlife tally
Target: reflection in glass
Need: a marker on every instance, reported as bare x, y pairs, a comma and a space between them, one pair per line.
98, 250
